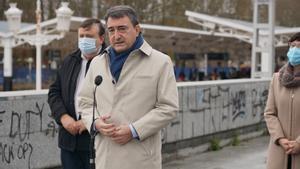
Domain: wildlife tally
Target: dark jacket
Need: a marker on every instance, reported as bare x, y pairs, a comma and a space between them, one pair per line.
61, 101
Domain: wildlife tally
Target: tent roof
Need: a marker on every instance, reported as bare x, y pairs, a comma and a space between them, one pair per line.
242, 30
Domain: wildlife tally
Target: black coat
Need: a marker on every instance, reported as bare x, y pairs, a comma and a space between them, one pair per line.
61, 101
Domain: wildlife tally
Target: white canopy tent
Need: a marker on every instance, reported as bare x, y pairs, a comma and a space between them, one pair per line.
242, 30
263, 36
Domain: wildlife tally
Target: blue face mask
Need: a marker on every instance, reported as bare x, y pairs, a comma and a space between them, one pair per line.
87, 45
294, 56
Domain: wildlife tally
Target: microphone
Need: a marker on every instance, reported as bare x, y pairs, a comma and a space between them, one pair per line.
93, 133
98, 80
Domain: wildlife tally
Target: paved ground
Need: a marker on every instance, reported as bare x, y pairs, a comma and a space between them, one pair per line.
248, 155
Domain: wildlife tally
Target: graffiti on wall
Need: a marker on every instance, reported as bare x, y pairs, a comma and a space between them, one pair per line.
258, 102
226, 99
23, 128
209, 109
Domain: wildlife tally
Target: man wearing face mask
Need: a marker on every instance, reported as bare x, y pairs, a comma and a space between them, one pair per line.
282, 112
73, 137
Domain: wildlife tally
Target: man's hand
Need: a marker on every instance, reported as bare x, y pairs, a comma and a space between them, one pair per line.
104, 127
122, 134
69, 124
80, 126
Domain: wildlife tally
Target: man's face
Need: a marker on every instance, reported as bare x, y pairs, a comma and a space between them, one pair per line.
122, 34
91, 32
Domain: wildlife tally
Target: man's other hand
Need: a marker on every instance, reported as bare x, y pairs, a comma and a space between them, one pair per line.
80, 126
69, 124
122, 135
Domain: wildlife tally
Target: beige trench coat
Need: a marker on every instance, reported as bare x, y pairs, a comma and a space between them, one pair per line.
145, 96
282, 115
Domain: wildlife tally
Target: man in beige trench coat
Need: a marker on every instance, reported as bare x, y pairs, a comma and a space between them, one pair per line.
137, 98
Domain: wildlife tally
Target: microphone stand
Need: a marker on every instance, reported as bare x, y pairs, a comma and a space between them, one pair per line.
93, 134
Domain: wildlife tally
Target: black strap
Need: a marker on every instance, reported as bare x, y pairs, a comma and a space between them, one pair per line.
87, 66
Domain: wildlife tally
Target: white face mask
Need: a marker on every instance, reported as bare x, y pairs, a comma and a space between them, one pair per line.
87, 45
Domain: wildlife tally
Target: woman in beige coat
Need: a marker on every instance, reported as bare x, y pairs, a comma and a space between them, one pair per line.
282, 113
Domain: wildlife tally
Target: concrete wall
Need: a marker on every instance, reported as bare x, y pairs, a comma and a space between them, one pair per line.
28, 136
212, 107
